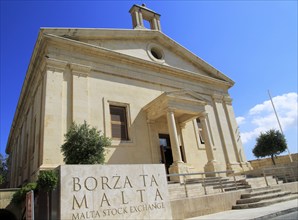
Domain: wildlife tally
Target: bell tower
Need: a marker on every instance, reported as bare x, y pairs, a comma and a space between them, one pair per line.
141, 13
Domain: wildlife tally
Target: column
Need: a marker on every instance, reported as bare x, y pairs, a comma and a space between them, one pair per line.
137, 21
209, 150
173, 137
154, 24
141, 18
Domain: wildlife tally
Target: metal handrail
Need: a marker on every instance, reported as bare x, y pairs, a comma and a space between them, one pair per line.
202, 174
199, 173
269, 170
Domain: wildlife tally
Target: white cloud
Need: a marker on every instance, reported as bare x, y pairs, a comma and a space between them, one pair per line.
262, 117
240, 120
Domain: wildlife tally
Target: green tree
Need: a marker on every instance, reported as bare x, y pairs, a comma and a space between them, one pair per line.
3, 169
270, 143
84, 145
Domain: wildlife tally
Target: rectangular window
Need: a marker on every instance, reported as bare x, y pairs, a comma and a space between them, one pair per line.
119, 122
200, 131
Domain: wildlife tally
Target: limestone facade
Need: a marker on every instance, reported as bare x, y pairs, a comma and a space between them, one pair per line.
177, 109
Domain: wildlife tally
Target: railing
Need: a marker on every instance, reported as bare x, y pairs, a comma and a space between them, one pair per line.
287, 173
203, 175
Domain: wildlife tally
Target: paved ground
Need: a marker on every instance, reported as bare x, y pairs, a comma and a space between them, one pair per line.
289, 216
262, 213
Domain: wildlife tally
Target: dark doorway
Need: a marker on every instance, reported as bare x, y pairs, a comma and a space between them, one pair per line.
165, 150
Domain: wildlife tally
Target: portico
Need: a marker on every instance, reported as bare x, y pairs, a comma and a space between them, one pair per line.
178, 108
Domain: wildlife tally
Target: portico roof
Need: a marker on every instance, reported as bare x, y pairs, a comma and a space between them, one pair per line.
186, 105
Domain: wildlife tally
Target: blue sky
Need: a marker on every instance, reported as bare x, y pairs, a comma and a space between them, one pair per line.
252, 42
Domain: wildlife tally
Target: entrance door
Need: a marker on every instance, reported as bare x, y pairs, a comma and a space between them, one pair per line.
165, 150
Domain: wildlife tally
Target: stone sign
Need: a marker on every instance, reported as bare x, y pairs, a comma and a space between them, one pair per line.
114, 192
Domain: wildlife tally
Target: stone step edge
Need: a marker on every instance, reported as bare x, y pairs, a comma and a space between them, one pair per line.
238, 188
226, 185
262, 197
258, 193
264, 203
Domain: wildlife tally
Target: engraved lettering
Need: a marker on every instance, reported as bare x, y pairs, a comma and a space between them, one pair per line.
153, 180
76, 184
117, 180
141, 194
122, 196
157, 194
144, 179
104, 199
75, 201
127, 181
104, 182
88, 184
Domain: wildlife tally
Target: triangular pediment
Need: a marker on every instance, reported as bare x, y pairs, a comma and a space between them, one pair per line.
148, 45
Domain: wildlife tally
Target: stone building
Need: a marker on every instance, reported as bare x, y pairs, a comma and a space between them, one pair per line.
158, 102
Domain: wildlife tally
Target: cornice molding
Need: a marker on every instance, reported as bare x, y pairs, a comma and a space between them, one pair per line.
228, 100
80, 70
55, 64
217, 97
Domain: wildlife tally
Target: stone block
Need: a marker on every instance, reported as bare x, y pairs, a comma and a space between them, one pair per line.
114, 192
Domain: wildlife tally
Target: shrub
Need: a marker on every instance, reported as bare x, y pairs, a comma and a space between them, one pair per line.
20, 195
47, 180
84, 145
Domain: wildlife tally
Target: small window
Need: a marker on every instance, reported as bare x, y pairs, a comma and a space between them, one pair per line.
156, 53
200, 131
119, 122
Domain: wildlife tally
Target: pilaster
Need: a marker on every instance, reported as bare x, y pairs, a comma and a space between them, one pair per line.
154, 144
53, 134
80, 84
212, 165
218, 99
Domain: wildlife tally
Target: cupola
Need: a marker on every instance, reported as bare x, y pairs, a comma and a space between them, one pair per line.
141, 13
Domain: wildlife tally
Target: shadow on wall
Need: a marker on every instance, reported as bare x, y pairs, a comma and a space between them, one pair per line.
135, 151
7, 215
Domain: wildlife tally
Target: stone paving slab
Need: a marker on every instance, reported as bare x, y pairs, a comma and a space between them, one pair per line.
261, 213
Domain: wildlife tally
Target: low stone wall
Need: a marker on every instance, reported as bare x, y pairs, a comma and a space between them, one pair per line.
267, 162
292, 187
5, 201
204, 205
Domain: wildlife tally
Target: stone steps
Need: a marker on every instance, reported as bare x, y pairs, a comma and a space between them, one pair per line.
199, 187
263, 197
258, 192
265, 203
237, 188
229, 184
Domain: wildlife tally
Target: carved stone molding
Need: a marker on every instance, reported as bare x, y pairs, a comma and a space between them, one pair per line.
55, 65
228, 100
217, 97
80, 70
